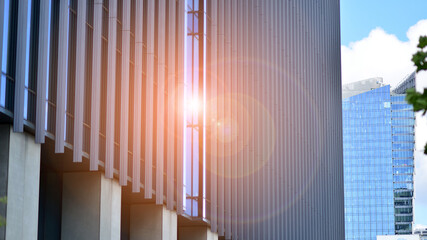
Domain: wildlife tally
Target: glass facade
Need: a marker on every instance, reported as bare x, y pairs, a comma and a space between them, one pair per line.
368, 168
8, 64
195, 110
402, 118
378, 145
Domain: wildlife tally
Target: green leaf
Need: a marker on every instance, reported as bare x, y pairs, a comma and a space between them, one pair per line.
422, 42
419, 59
416, 99
2, 221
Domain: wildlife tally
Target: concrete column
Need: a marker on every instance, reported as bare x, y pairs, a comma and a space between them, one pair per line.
148, 221
91, 206
196, 233
19, 180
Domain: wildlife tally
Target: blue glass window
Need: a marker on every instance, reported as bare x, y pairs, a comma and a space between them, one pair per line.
194, 98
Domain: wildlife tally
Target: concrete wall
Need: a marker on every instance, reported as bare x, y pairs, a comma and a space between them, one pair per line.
20, 174
149, 221
196, 233
90, 207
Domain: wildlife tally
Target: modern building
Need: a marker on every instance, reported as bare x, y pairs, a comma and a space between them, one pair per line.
166, 119
378, 136
402, 125
407, 83
422, 232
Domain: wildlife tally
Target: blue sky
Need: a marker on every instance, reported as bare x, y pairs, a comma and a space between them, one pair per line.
378, 30
359, 17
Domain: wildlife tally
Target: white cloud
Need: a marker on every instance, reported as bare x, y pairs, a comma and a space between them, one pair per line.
384, 55
381, 55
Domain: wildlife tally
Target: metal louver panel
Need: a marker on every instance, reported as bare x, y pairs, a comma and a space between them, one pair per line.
42, 72
124, 114
80, 80
111, 84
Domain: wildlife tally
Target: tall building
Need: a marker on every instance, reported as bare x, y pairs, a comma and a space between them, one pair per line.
166, 119
378, 136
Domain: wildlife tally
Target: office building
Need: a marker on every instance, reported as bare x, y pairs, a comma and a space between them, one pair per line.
422, 232
378, 136
166, 119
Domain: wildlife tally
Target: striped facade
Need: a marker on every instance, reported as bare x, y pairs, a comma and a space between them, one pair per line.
225, 111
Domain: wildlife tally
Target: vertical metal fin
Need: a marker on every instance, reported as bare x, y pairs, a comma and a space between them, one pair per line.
171, 78
136, 171
111, 88
180, 105
161, 65
96, 85
221, 103
21, 65
62, 76
149, 101
80, 81
42, 65
212, 121
124, 115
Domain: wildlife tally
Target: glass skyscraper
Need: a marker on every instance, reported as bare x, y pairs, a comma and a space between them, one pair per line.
378, 140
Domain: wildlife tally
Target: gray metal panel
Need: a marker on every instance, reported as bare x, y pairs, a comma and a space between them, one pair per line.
137, 123
287, 117
273, 170
262, 98
124, 94
80, 81
161, 78
250, 195
149, 114
42, 67
257, 118
171, 78
96, 85
244, 159
282, 120
234, 83
111, 88
24, 7
62, 76
242, 83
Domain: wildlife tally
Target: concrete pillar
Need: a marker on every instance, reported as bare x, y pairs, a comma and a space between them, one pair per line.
19, 180
149, 221
91, 206
196, 233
